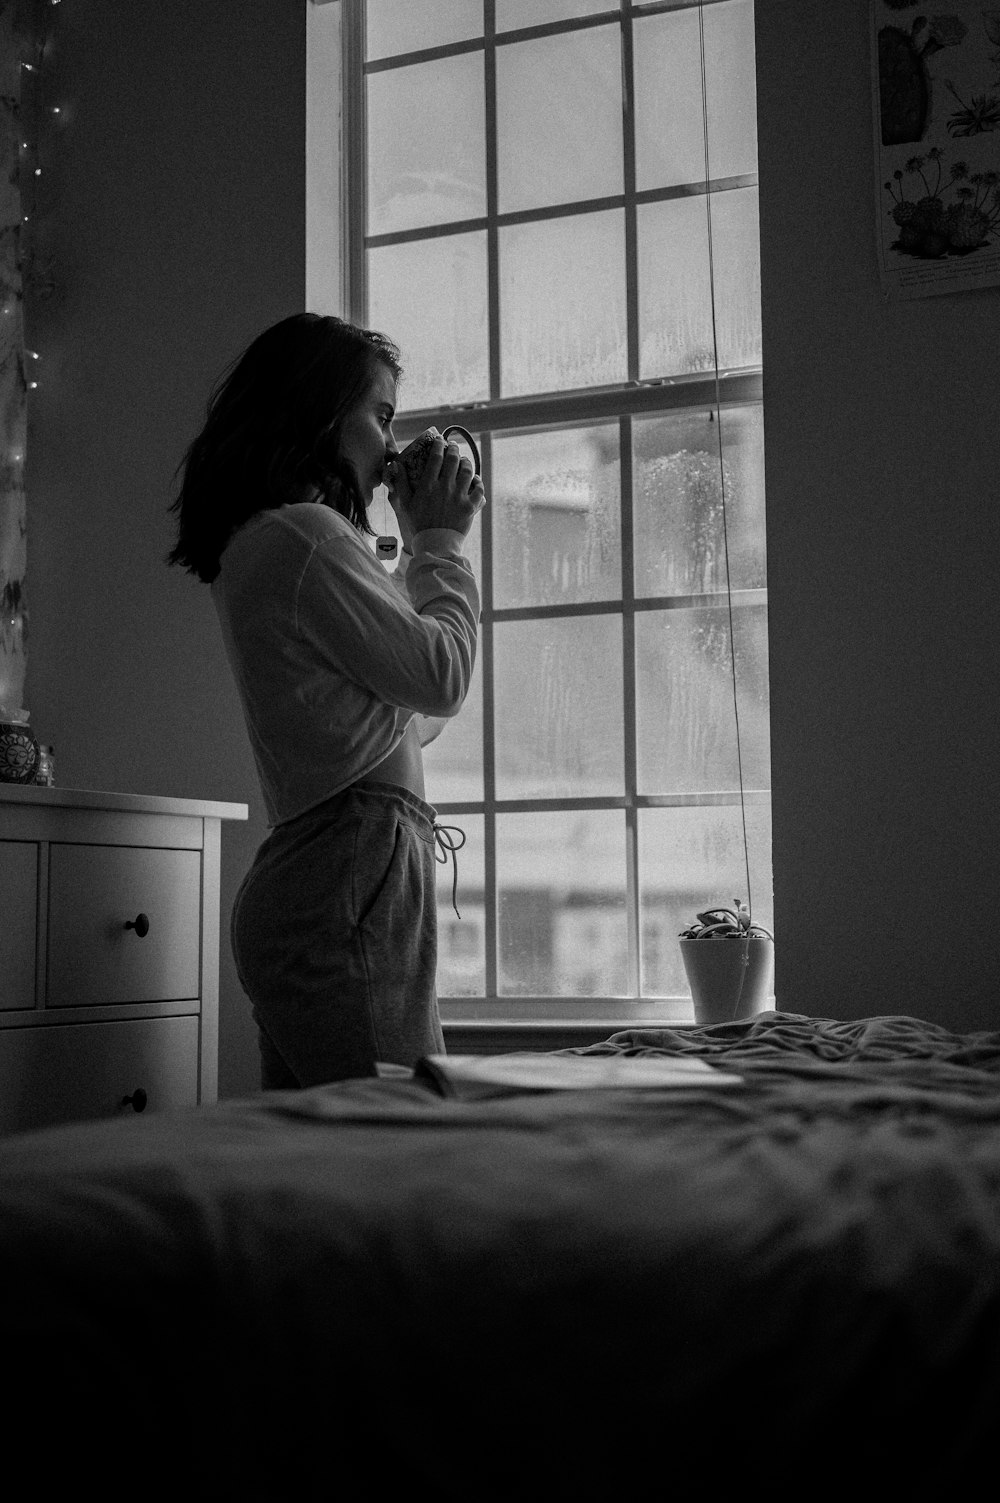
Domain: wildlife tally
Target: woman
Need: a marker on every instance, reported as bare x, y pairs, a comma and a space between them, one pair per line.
342, 670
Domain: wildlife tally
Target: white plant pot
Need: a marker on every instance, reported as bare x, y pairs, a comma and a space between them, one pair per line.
729, 978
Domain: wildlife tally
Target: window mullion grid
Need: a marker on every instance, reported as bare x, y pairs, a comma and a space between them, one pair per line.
354, 194
355, 129
486, 649
490, 894
492, 194
632, 893
631, 212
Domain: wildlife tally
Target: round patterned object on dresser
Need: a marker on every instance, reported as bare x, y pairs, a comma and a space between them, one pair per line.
18, 753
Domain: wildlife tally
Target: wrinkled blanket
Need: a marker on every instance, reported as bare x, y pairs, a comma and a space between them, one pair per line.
581, 1294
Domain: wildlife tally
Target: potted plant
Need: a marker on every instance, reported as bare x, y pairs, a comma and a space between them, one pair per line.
732, 978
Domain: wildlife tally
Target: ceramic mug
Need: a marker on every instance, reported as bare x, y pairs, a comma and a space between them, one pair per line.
414, 456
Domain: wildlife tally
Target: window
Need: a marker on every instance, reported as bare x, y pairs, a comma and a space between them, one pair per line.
551, 205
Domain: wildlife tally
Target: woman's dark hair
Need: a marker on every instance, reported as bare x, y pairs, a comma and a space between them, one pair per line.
272, 433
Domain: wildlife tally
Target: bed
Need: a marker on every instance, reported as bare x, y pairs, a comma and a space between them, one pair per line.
490, 1292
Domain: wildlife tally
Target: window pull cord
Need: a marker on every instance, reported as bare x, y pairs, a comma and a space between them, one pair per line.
445, 842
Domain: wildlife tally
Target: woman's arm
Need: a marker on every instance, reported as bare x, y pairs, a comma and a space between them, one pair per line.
417, 653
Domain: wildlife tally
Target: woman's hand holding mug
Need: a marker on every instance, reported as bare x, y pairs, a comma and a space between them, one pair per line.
448, 492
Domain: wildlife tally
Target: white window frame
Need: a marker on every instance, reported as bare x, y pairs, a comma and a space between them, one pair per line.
336, 283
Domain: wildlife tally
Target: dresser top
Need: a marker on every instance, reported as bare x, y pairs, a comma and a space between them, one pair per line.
127, 803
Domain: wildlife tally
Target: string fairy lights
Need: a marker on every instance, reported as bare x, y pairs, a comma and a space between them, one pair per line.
37, 116
26, 273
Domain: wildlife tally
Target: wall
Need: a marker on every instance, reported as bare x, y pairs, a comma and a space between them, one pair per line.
176, 196
178, 191
880, 432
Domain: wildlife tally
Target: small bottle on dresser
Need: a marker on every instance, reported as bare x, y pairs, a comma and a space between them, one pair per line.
45, 772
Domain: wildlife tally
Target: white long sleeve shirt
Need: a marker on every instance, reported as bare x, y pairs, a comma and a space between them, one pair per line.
332, 656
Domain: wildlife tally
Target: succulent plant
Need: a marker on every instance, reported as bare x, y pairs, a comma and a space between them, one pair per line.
726, 923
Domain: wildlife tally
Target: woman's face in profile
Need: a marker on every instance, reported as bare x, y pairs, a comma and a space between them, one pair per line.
366, 440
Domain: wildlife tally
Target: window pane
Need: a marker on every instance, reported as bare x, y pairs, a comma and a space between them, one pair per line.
670, 135
426, 144
461, 966
562, 303
394, 27
553, 94
556, 511
669, 113
512, 14
689, 860
561, 896
731, 88
676, 335
736, 261
675, 298
430, 297
680, 540
685, 719
559, 708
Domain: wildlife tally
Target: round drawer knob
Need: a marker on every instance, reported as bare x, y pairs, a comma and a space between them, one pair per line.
137, 1100
140, 924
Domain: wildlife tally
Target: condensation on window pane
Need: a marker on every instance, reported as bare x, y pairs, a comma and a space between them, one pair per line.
669, 110
693, 506
430, 297
562, 928
453, 761
731, 88
559, 707
736, 264
394, 26
562, 303
426, 144
554, 94
512, 14
677, 332
691, 859
686, 724
461, 957
675, 289
556, 513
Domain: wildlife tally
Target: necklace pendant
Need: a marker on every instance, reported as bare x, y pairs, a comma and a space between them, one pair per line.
386, 547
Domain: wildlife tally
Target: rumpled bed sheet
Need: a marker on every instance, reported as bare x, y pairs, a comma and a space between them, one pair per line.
792, 1282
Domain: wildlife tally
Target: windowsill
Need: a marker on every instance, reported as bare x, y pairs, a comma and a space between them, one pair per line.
509, 1036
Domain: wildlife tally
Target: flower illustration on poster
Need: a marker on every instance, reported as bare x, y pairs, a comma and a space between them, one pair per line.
936, 116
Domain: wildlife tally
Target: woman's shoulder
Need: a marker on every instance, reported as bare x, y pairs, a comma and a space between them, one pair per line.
311, 520
300, 525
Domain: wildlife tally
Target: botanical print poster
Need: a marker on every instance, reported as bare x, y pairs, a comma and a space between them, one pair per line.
936, 112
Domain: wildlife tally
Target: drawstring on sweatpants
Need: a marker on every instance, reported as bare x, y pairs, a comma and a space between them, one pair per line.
444, 838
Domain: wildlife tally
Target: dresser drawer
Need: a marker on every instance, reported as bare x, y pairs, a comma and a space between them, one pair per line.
77, 1072
94, 891
18, 922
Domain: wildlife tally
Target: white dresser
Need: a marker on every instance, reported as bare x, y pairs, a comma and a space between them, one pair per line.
109, 953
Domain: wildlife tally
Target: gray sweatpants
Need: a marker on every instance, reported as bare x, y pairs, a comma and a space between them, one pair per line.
334, 934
